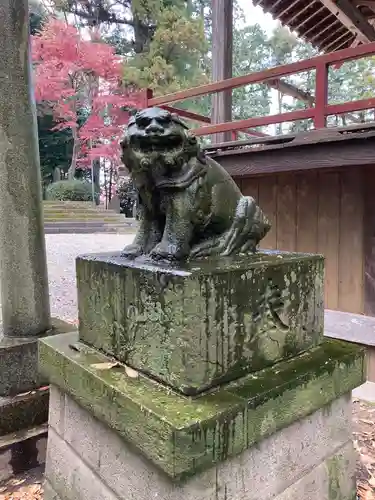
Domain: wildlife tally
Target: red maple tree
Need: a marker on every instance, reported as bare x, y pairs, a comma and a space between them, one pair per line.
73, 75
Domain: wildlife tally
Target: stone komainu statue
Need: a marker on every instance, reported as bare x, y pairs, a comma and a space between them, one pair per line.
190, 207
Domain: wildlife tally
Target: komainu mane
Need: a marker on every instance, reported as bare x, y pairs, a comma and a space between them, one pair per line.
190, 207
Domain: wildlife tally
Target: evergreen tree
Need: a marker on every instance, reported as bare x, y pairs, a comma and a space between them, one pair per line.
163, 40
282, 44
251, 53
171, 58
304, 82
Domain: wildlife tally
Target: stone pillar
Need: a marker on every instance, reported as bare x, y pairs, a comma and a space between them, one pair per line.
24, 283
222, 55
251, 401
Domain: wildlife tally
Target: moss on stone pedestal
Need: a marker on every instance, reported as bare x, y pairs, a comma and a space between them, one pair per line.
19, 360
18, 413
182, 435
23, 396
201, 323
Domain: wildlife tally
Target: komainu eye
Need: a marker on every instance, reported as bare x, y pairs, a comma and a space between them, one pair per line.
143, 122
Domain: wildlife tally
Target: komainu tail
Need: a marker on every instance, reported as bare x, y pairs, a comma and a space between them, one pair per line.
249, 226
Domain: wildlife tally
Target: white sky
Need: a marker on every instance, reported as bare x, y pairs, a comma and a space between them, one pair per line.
256, 15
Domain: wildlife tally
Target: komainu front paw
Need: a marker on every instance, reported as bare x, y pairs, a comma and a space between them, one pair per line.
132, 251
168, 251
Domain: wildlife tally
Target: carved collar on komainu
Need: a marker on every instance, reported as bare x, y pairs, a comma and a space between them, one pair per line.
190, 206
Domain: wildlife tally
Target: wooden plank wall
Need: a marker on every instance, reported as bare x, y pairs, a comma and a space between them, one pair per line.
369, 243
322, 212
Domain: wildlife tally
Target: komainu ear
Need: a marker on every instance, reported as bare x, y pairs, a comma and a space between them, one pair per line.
131, 120
124, 143
177, 119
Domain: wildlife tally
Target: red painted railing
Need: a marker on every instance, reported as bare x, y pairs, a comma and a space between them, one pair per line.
318, 113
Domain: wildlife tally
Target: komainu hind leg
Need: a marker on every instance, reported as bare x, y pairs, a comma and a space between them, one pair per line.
249, 226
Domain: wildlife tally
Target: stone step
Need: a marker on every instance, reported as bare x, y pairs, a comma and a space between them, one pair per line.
80, 213
69, 203
83, 217
116, 220
85, 208
59, 210
84, 223
84, 229
75, 206
83, 220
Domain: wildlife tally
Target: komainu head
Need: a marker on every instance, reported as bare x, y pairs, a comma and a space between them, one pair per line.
190, 206
156, 136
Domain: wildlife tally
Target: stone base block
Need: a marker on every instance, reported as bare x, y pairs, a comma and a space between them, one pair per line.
19, 361
24, 400
196, 325
311, 459
22, 451
23, 411
184, 436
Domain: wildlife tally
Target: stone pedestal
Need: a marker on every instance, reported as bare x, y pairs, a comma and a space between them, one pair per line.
25, 312
236, 423
196, 325
312, 459
285, 432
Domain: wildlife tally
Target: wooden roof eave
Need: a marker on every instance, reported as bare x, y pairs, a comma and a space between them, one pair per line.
319, 20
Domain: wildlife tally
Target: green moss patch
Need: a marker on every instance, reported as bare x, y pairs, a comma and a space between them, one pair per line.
182, 435
196, 325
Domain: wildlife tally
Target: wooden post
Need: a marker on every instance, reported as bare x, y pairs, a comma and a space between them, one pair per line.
222, 57
369, 245
321, 95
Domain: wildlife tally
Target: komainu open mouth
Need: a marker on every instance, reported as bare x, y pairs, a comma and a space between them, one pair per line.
156, 142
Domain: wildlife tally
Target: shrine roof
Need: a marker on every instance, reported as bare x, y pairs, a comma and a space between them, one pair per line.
328, 25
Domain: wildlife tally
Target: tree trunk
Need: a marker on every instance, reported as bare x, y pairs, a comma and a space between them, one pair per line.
143, 35
105, 187
96, 167
73, 163
110, 183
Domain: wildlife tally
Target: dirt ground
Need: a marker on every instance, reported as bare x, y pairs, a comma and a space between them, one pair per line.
364, 441
29, 486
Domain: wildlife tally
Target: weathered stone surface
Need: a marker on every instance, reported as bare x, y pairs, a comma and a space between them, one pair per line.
24, 281
182, 435
312, 459
23, 411
49, 493
19, 360
23, 450
333, 479
197, 324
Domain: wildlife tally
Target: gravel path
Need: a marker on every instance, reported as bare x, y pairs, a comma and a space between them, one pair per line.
62, 249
